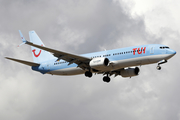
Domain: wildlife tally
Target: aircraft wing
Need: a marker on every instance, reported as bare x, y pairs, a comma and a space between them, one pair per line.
71, 58
23, 62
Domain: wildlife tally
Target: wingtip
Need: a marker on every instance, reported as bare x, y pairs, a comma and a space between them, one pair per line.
20, 33
7, 57
22, 37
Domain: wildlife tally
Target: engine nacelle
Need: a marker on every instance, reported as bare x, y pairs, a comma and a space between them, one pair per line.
130, 72
99, 63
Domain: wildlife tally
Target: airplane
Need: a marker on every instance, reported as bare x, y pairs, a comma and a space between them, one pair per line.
122, 61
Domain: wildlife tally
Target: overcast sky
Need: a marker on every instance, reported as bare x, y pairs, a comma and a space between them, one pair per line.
82, 26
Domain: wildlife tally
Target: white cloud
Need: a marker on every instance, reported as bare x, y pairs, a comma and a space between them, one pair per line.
158, 14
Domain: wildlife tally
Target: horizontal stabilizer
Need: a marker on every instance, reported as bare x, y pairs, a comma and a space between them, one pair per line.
24, 62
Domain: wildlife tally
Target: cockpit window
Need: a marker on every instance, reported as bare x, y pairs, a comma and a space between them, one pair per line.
164, 47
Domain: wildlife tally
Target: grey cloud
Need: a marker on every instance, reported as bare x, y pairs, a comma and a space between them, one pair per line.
105, 24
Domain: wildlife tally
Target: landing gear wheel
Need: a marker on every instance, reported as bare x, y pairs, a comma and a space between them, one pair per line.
158, 67
106, 79
88, 74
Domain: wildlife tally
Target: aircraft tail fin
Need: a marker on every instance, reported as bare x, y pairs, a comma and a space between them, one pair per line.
38, 54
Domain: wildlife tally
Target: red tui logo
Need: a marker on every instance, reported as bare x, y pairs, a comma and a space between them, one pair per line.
36, 55
139, 51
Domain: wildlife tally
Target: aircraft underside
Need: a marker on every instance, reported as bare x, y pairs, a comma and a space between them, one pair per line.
116, 68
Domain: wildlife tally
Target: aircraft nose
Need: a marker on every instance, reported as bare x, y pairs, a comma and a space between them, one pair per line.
172, 52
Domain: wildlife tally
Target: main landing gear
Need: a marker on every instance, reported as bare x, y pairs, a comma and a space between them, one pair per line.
105, 78
88, 74
161, 62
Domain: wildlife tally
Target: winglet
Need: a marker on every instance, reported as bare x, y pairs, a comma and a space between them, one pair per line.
22, 38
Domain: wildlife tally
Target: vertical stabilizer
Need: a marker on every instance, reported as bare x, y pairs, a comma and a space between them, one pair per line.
38, 54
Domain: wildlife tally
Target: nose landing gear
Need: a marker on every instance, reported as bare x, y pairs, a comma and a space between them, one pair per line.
160, 62
158, 67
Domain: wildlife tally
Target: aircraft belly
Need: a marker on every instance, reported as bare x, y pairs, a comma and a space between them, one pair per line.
139, 61
67, 71
131, 62
115, 66
157, 58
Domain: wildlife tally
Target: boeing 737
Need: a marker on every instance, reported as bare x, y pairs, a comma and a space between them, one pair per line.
123, 61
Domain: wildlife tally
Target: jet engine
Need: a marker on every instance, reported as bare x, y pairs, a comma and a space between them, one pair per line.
99, 63
130, 72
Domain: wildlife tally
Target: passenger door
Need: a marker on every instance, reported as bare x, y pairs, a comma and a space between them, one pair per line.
152, 50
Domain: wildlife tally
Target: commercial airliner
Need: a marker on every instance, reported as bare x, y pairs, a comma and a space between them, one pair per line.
123, 61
